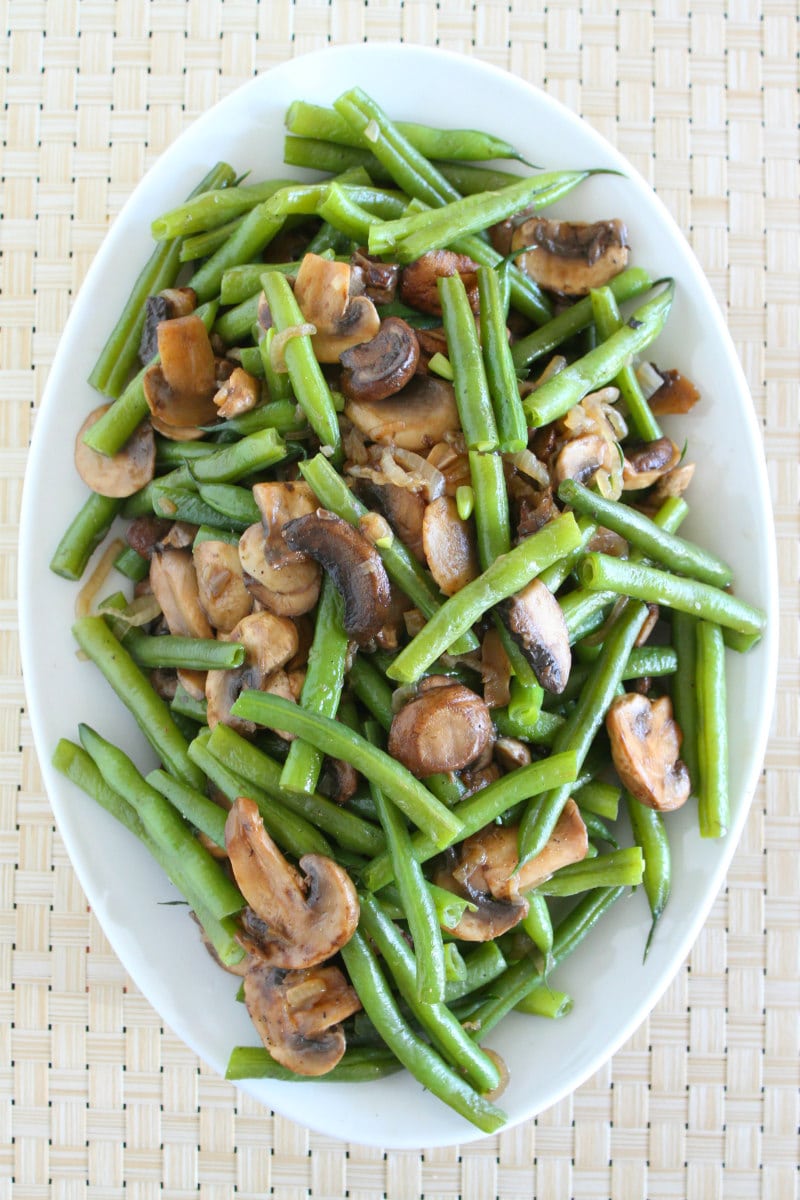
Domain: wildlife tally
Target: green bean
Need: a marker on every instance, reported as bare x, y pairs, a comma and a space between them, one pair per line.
235, 325
580, 728
435, 1018
201, 874
673, 552
538, 924
482, 965
281, 415
214, 208
543, 1002
402, 568
419, 805
557, 396
507, 575
713, 804
131, 564
291, 832
188, 706
599, 798
203, 245
602, 572
372, 689
556, 575
471, 389
621, 868
322, 687
304, 371
643, 662
684, 689
78, 766
340, 206
110, 433
409, 237
311, 120
423, 1062
182, 653
181, 504
597, 828
83, 535
230, 501
134, 690
243, 282
499, 366
625, 286
649, 831
481, 809
253, 764
195, 806
249, 239
607, 321
180, 454
541, 733
360, 1064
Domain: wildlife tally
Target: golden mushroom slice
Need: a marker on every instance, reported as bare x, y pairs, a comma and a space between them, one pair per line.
444, 728
174, 582
571, 258
180, 389
535, 620
380, 367
303, 916
298, 1014
269, 642
415, 418
223, 596
322, 290
449, 545
645, 748
123, 473
648, 462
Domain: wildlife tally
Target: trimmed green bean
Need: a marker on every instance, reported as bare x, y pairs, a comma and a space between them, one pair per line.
601, 572
373, 691
360, 1064
471, 389
416, 1055
650, 833
83, 535
183, 504
507, 575
684, 689
713, 804
283, 416
231, 501
182, 653
501, 377
543, 1002
482, 965
202, 245
538, 924
599, 798
541, 733
131, 564
597, 368
192, 804
248, 240
214, 208
621, 868
188, 706
607, 320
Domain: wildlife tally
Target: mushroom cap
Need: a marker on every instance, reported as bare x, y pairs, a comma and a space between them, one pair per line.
419, 279
322, 290
582, 457
444, 728
535, 620
449, 545
298, 1014
571, 258
220, 582
645, 464
180, 389
269, 642
288, 590
645, 748
354, 565
306, 920
380, 367
123, 473
173, 580
416, 418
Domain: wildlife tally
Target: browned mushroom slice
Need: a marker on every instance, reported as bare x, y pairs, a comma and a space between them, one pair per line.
171, 303
379, 279
298, 1015
449, 545
279, 502
582, 457
380, 367
123, 473
352, 563
571, 258
416, 418
269, 642
223, 597
307, 917
174, 583
495, 671
322, 290
403, 509
674, 483
536, 623
483, 868
677, 394
648, 462
177, 433
442, 729
180, 389
645, 745
143, 534
238, 394
290, 589
511, 753
419, 280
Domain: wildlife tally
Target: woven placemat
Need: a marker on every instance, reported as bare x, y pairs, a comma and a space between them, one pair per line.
97, 1098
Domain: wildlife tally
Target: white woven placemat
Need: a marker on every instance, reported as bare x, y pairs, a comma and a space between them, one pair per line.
97, 1099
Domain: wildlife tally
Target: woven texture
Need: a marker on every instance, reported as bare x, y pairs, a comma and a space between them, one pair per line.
97, 1099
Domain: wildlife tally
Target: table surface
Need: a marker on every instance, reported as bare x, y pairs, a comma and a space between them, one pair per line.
97, 1098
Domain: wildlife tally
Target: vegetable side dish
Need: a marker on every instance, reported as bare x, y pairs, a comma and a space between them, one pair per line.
410, 613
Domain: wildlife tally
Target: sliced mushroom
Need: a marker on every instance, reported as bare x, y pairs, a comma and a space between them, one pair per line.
650, 622
571, 258
289, 590
269, 642
238, 394
223, 596
174, 583
180, 389
305, 920
648, 462
645, 747
483, 868
512, 754
123, 473
403, 509
298, 1014
338, 780
495, 671
143, 534
443, 729
674, 483
418, 281
322, 290
171, 303
536, 623
380, 367
449, 544
379, 279
582, 457
416, 418
352, 563
677, 394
